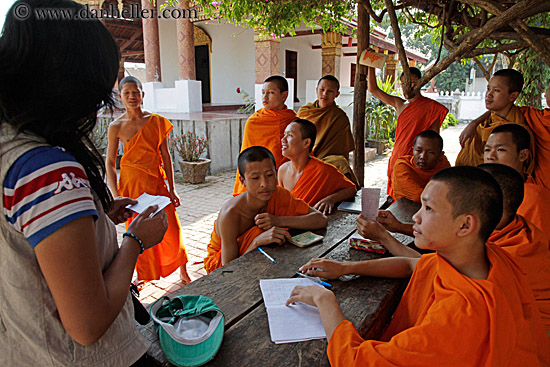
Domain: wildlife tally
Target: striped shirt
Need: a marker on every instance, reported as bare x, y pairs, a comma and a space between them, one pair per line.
45, 189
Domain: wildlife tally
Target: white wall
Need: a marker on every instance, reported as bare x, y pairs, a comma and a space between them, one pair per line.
309, 61
232, 62
168, 52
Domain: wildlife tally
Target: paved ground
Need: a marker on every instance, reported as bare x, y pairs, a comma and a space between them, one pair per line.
201, 203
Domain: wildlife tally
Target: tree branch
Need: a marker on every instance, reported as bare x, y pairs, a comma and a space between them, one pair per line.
400, 49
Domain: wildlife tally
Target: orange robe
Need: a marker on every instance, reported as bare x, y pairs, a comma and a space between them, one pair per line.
448, 319
409, 181
472, 153
282, 203
141, 171
265, 128
319, 180
536, 204
539, 122
530, 249
334, 139
415, 118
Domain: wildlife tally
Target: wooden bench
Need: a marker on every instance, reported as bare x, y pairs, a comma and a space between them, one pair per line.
367, 302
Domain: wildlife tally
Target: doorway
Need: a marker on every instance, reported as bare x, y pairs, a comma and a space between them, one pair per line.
291, 69
202, 70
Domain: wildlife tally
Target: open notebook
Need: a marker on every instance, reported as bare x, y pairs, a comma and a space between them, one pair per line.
294, 323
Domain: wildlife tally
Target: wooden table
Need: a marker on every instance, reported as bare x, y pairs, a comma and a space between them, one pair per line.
367, 302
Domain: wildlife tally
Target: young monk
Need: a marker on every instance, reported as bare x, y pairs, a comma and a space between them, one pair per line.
503, 89
509, 145
260, 215
334, 137
412, 172
528, 246
539, 123
144, 166
266, 126
415, 115
319, 184
467, 304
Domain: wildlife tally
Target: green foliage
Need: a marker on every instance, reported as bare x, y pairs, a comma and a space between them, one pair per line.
189, 146
450, 120
277, 17
98, 135
381, 118
249, 101
536, 74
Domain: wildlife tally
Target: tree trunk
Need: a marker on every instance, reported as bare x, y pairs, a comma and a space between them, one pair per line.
360, 95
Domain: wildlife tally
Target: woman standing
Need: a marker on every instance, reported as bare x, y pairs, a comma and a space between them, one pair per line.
64, 282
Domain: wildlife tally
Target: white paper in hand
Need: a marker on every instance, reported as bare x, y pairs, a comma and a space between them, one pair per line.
370, 198
146, 200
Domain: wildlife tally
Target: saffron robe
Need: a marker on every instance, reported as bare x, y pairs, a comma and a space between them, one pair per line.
415, 118
448, 319
539, 122
409, 181
536, 204
529, 247
334, 138
472, 153
282, 203
141, 171
319, 180
265, 128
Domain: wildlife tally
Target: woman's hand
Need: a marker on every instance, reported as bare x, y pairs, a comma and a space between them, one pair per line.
118, 211
150, 230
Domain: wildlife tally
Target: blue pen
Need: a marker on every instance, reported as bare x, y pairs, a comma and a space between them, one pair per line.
266, 255
315, 279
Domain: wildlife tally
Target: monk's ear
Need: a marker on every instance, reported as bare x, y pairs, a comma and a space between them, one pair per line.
513, 96
337, 94
285, 95
523, 155
468, 224
241, 180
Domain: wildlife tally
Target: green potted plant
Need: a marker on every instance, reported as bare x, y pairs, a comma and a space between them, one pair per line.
380, 120
190, 147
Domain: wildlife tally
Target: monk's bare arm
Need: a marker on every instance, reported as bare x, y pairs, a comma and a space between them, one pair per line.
389, 267
470, 130
326, 205
227, 227
110, 161
394, 101
314, 219
388, 220
369, 228
169, 169
281, 174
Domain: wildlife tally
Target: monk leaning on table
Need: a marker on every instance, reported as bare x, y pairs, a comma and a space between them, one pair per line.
467, 304
415, 115
412, 172
503, 89
319, 184
528, 246
260, 215
334, 138
509, 145
539, 123
266, 126
144, 166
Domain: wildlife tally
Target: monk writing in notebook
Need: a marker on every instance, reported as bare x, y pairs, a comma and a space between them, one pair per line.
260, 215
509, 145
539, 123
334, 138
266, 126
467, 304
319, 184
503, 89
144, 167
528, 246
415, 115
412, 172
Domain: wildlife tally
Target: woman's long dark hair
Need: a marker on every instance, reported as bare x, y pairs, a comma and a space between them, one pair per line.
54, 77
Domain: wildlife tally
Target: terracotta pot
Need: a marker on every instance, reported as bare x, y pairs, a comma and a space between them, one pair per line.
194, 172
